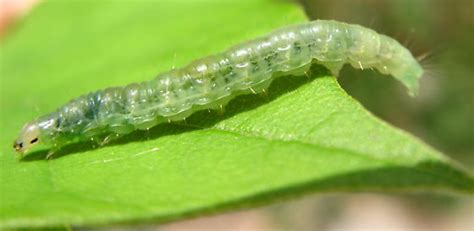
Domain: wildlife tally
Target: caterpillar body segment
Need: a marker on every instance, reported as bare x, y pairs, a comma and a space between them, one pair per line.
212, 81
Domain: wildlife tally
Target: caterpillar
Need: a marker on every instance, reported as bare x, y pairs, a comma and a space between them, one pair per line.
210, 82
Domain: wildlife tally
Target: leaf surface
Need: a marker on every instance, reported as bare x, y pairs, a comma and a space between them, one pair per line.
306, 135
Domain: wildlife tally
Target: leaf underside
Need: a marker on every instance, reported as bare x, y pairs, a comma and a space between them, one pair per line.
306, 135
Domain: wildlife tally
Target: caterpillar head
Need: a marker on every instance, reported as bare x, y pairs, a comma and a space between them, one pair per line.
29, 137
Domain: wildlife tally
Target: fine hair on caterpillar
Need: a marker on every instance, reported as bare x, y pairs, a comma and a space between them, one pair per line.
430, 62
211, 82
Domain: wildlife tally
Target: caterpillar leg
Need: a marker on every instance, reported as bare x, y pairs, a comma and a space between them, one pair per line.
253, 91
334, 67
261, 87
109, 138
51, 152
308, 74
221, 109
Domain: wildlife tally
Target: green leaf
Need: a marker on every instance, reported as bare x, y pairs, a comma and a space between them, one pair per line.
306, 135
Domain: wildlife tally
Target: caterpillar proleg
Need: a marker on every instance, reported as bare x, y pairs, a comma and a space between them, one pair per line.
212, 81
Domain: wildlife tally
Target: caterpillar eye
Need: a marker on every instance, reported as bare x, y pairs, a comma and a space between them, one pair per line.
34, 141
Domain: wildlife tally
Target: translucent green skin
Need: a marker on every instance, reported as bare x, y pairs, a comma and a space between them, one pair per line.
212, 81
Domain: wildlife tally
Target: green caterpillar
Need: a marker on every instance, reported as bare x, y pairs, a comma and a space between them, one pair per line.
212, 81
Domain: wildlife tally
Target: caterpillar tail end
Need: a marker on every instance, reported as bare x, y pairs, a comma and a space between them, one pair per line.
412, 85
410, 76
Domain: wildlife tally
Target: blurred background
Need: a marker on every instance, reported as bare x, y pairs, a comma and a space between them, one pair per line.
440, 31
